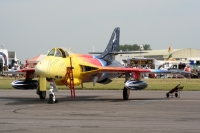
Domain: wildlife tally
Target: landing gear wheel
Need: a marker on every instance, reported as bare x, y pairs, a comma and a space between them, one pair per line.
56, 101
52, 99
42, 94
176, 94
125, 94
167, 95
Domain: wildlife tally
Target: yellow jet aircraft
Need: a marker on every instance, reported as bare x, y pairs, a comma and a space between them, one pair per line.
64, 68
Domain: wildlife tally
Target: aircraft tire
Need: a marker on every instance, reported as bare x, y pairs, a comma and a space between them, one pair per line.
56, 101
50, 101
167, 95
125, 94
176, 95
42, 94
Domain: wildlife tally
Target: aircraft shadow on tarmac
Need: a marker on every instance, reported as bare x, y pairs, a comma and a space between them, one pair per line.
26, 100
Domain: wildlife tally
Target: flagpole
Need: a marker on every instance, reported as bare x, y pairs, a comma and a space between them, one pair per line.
140, 59
141, 48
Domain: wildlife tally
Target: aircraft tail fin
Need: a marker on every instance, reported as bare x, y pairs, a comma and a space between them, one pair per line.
113, 45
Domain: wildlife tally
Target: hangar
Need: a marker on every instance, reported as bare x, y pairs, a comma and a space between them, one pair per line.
190, 55
178, 54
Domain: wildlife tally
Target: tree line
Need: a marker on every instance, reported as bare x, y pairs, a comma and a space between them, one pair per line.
133, 47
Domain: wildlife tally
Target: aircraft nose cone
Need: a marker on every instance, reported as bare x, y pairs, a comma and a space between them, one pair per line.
39, 68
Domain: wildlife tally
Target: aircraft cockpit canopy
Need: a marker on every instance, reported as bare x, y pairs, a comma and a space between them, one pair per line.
58, 52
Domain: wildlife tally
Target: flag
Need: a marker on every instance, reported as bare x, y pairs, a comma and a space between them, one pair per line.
170, 49
170, 56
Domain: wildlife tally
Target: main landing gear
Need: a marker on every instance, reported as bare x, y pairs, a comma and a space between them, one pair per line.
126, 93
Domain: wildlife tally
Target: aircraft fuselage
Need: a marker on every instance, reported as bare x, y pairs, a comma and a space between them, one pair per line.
55, 68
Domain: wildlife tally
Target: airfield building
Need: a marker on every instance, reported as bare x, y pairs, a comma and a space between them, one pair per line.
178, 54
191, 55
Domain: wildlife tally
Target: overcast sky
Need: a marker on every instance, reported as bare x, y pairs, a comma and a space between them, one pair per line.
32, 27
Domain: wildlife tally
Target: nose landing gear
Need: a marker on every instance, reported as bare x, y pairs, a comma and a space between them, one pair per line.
52, 97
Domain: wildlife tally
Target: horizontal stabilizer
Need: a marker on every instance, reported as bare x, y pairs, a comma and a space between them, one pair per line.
95, 52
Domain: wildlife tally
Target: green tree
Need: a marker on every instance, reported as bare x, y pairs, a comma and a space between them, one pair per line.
147, 47
133, 47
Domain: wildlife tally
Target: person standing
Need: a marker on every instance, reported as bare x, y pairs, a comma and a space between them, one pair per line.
198, 71
2, 69
187, 69
5, 68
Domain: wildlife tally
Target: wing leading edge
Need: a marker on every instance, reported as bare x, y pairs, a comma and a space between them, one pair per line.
131, 70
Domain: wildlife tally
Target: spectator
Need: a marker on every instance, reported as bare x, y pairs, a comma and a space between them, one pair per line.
198, 70
5, 67
2, 69
187, 69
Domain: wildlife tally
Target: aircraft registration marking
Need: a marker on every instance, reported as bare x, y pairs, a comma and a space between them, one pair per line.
61, 67
51, 64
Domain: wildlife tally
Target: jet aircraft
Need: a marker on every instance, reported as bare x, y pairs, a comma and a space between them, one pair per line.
61, 67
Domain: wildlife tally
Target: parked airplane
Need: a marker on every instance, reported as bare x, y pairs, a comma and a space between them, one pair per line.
64, 68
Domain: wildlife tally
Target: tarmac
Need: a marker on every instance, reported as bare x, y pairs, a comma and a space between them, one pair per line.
100, 111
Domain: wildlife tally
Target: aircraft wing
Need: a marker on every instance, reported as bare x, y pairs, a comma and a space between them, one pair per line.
13, 72
114, 70
21, 71
28, 71
132, 52
122, 70
131, 70
160, 71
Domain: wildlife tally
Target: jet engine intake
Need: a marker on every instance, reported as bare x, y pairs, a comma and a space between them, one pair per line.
25, 84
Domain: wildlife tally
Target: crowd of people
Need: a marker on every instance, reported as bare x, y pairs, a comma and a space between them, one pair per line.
10, 68
198, 71
4, 68
195, 73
